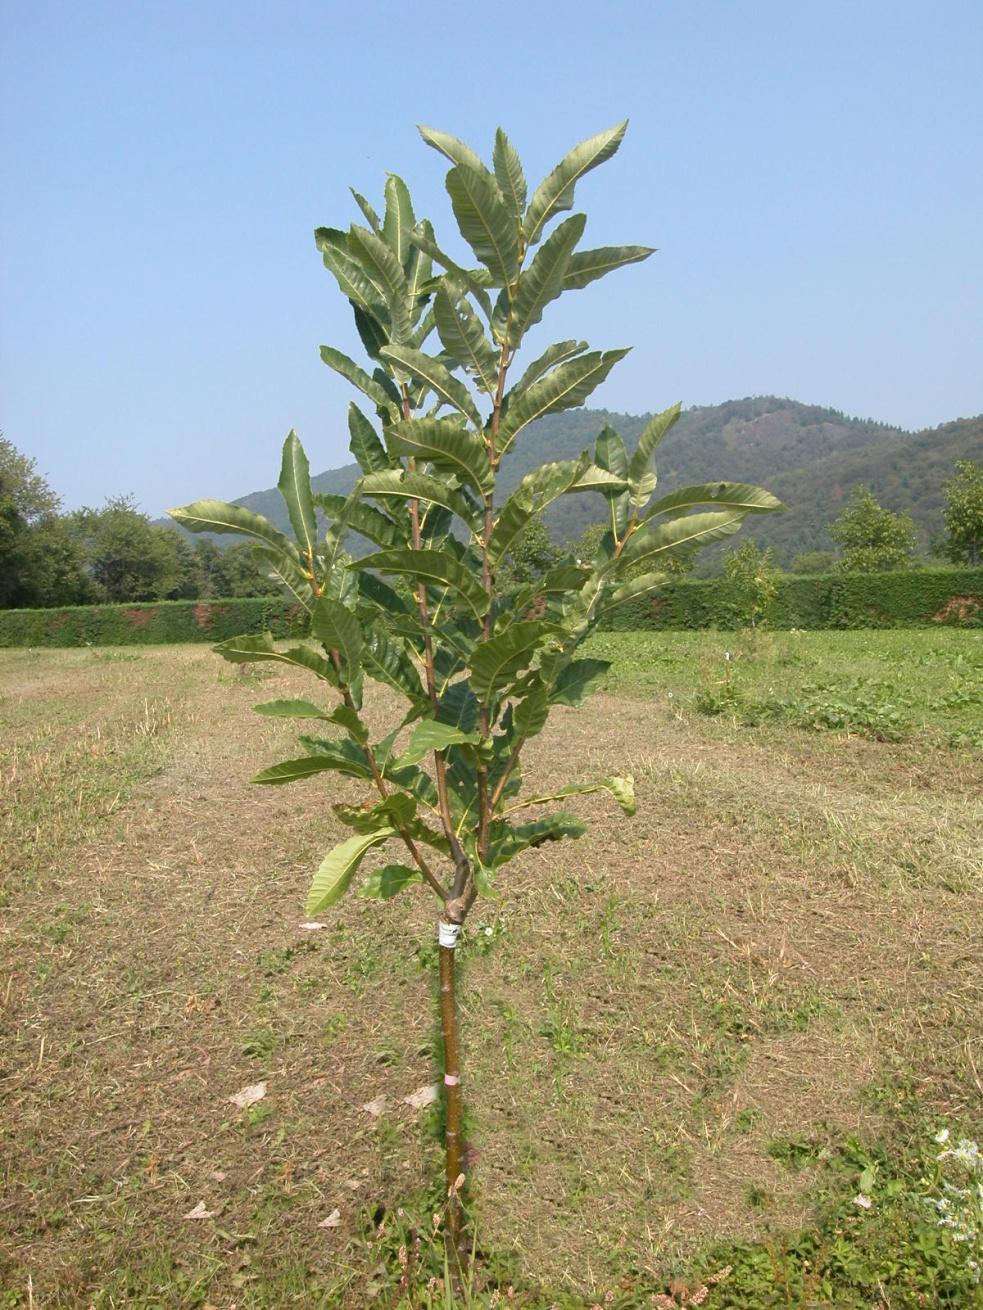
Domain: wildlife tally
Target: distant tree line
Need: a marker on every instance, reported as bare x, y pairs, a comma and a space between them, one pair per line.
115, 553
873, 539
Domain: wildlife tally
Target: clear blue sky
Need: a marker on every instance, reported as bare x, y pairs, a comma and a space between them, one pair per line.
812, 174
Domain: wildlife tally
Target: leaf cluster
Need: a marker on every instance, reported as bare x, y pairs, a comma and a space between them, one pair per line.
478, 659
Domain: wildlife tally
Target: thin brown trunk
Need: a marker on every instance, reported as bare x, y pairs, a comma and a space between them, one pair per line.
454, 1143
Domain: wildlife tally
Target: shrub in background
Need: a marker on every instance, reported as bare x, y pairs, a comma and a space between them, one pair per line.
152, 624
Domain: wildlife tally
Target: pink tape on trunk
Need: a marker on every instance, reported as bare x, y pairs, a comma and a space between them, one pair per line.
451, 1080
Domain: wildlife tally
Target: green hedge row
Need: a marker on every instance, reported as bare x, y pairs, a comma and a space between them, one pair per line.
909, 598
912, 598
151, 624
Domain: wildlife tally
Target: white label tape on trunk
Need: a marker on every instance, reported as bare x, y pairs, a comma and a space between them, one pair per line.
448, 933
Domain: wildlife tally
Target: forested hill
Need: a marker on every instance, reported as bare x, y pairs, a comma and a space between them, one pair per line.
809, 456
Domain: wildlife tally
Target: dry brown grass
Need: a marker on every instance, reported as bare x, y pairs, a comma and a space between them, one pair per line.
790, 923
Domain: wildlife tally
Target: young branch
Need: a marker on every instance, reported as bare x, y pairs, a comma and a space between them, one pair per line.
383, 791
486, 804
440, 766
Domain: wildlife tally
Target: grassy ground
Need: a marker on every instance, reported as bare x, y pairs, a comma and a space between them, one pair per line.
691, 1038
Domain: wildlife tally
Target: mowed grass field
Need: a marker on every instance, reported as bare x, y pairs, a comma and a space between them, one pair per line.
690, 1038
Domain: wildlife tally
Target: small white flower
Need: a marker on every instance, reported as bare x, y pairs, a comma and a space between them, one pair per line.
489, 932
942, 1137
863, 1200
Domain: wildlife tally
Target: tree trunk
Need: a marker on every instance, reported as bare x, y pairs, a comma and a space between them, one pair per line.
454, 1144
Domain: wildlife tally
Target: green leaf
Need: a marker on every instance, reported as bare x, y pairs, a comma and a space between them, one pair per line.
217, 516
337, 258
384, 268
430, 567
589, 265
484, 221
558, 353
495, 663
461, 335
691, 530
420, 264
348, 719
291, 709
389, 881
373, 591
451, 148
595, 478
555, 192
484, 880
397, 810
304, 709
424, 327
400, 219
509, 175
621, 788
422, 237
386, 661
542, 281
295, 488
372, 333
565, 577
536, 490
370, 387
371, 217
722, 495
459, 707
335, 625
449, 389
507, 840
567, 386
338, 868
259, 646
288, 572
447, 446
610, 452
305, 767
641, 474
418, 486
577, 680
428, 735
633, 590
365, 443
531, 713
342, 756
367, 520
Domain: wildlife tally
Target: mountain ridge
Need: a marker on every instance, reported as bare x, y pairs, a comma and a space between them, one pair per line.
810, 456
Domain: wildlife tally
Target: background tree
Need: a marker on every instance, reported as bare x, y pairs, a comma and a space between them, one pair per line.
41, 560
531, 555
128, 557
755, 577
57, 571
475, 675
28, 490
814, 561
15, 553
245, 574
871, 537
963, 514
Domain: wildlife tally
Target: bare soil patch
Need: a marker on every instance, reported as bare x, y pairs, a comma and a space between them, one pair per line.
790, 922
